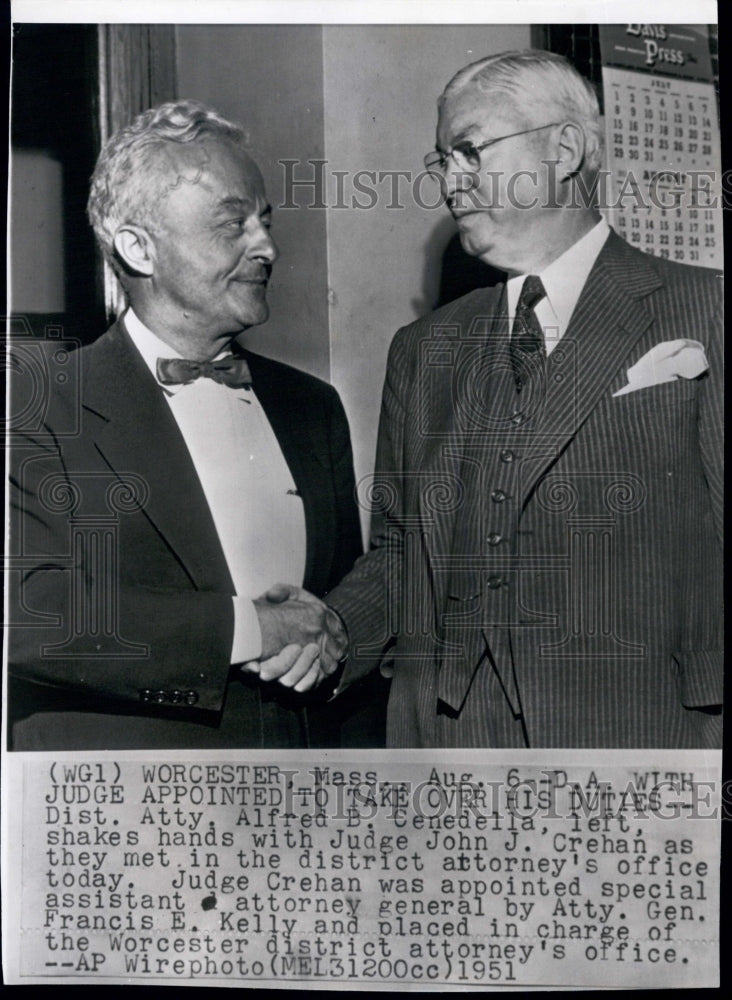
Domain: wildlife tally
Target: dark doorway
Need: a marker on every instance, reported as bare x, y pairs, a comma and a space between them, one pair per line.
55, 140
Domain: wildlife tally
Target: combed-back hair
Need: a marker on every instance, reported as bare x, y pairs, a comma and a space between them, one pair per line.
541, 87
129, 180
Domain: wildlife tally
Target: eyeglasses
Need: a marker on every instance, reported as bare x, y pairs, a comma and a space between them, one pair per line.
467, 155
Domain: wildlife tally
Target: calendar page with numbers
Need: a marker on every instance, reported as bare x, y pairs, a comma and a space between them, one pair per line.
662, 142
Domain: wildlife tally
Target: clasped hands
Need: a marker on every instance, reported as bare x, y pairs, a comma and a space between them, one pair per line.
303, 640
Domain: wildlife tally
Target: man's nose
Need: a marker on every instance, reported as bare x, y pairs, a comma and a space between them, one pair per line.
263, 247
457, 183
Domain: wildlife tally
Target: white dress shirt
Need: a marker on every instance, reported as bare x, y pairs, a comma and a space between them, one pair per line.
563, 281
257, 512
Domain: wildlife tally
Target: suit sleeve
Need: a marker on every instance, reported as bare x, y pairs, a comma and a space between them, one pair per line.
75, 625
364, 598
348, 545
711, 423
701, 657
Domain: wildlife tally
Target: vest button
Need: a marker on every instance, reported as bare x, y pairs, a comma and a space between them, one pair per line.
507, 456
498, 496
494, 538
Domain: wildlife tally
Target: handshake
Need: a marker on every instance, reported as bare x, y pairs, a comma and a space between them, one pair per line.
303, 640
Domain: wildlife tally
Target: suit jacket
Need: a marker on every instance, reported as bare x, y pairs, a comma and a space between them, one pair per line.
120, 593
545, 569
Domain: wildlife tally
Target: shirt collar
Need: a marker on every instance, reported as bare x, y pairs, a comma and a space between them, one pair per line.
151, 347
565, 277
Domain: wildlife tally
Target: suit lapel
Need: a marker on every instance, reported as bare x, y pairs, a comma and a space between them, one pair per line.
484, 388
300, 434
608, 320
463, 405
137, 433
482, 385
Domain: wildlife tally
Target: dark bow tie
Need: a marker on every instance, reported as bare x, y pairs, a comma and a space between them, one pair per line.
230, 371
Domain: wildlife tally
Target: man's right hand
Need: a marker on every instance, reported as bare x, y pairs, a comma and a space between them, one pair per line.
302, 639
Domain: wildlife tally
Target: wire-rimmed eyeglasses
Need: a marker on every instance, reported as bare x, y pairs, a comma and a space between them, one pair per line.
467, 155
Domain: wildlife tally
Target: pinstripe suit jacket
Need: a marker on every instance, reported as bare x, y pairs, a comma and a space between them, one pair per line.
545, 570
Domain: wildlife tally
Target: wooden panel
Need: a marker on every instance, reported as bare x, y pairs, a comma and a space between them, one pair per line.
136, 72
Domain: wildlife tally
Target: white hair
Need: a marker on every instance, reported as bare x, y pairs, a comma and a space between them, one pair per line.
541, 87
130, 176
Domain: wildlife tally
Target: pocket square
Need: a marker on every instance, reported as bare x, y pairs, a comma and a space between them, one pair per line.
666, 362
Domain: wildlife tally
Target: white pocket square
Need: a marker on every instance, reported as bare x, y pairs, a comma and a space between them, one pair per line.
666, 362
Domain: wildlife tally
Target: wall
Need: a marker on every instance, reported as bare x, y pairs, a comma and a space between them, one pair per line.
36, 233
270, 78
381, 88
363, 98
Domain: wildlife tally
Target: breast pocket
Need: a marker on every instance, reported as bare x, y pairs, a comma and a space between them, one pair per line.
651, 430
679, 390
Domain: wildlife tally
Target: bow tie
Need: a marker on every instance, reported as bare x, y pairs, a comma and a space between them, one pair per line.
230, 371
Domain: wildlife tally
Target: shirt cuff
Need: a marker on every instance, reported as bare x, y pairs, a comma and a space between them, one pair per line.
247, 643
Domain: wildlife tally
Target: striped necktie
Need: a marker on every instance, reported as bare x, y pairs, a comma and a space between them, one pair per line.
528, 350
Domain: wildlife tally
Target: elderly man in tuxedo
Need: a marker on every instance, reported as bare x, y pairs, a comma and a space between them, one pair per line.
176, 477
545, 563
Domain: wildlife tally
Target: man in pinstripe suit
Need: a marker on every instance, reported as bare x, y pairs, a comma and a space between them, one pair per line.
545, 558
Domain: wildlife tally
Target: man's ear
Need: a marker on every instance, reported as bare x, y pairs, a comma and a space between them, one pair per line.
570, 150
135, 248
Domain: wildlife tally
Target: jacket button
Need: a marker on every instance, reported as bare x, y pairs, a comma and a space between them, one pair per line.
507, 456
494, 538
498, 496
517, 418
494, 582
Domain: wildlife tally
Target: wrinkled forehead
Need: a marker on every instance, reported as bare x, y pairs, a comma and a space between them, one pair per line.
212, 164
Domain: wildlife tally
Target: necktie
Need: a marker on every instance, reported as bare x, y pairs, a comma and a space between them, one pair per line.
528, 350
230, 371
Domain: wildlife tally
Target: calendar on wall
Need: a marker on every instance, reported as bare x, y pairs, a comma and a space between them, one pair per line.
664, 192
